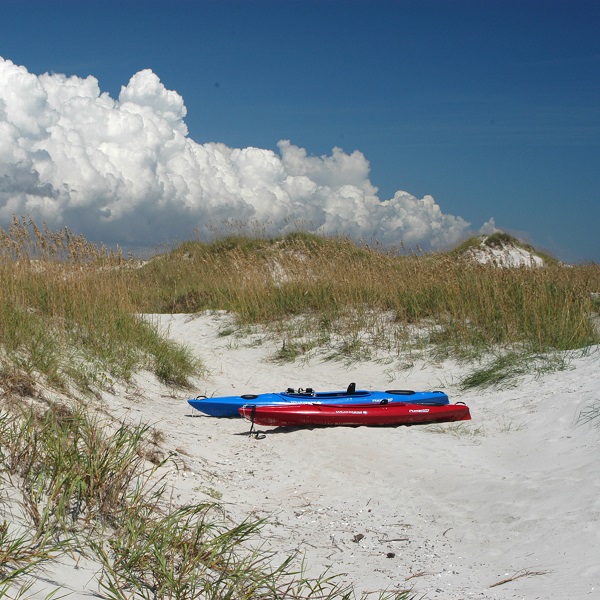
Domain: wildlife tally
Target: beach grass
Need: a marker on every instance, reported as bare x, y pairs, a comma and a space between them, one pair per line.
71, 310
66, 314
357, 297
86, 488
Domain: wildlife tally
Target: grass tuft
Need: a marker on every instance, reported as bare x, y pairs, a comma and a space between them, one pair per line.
590, 415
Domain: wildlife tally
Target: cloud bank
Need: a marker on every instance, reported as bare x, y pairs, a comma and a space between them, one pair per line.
125, 171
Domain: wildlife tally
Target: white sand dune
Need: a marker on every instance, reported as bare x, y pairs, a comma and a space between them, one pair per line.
504, 506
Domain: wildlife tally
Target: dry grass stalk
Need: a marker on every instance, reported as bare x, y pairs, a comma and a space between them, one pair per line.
518, 575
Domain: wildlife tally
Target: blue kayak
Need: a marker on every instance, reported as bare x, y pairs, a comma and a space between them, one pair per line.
227, 406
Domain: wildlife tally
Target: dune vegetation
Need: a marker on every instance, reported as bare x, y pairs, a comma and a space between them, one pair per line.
353, 299
72, 325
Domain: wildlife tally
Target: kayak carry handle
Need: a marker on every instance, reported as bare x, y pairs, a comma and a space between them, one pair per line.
257, 435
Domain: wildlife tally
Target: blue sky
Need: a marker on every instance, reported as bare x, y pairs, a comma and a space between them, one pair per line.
491, 107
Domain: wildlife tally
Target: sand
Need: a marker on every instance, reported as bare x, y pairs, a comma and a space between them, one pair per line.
504, 506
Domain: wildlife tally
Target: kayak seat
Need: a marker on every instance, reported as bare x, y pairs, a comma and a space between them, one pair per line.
351, 389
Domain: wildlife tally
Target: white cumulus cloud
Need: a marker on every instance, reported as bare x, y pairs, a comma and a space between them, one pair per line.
125, 171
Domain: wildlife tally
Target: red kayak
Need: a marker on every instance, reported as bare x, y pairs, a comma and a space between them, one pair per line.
393, 413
